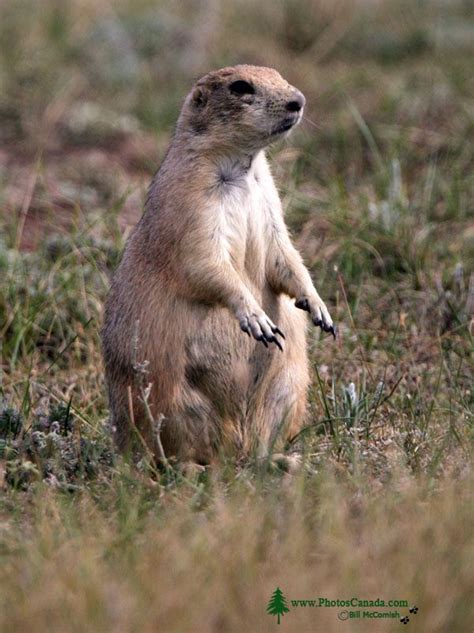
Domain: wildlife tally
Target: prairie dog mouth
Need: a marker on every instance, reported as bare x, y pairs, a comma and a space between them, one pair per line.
286, 125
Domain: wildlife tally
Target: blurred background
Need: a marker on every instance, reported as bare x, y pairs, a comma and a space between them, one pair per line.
90, 92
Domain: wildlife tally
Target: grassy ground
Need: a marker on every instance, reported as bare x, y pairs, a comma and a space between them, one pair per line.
378, 186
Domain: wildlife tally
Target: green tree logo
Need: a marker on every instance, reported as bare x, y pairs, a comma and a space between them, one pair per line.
277, 605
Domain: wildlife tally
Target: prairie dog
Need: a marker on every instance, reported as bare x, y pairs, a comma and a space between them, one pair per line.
212, 279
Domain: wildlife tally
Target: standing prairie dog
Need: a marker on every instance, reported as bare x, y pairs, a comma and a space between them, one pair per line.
212, 282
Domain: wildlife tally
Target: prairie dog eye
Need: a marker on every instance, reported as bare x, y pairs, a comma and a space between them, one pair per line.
241, 87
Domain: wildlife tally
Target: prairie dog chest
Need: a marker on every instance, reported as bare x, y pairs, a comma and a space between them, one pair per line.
247, 201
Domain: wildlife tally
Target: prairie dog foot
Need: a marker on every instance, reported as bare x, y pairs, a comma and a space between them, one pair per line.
290, 464
191, 470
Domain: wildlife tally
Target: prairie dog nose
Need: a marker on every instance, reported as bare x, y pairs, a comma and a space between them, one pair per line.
297, 102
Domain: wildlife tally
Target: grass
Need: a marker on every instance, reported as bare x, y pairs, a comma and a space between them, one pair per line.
378, 187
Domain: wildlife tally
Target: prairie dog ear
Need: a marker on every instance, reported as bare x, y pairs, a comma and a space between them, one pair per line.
199, 96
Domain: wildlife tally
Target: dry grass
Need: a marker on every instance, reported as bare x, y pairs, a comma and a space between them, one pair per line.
209, 560
378, 186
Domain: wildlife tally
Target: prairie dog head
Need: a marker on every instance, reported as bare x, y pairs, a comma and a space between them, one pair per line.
241, 107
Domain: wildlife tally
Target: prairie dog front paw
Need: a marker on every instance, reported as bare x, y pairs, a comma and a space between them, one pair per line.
318, 312
257, 324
